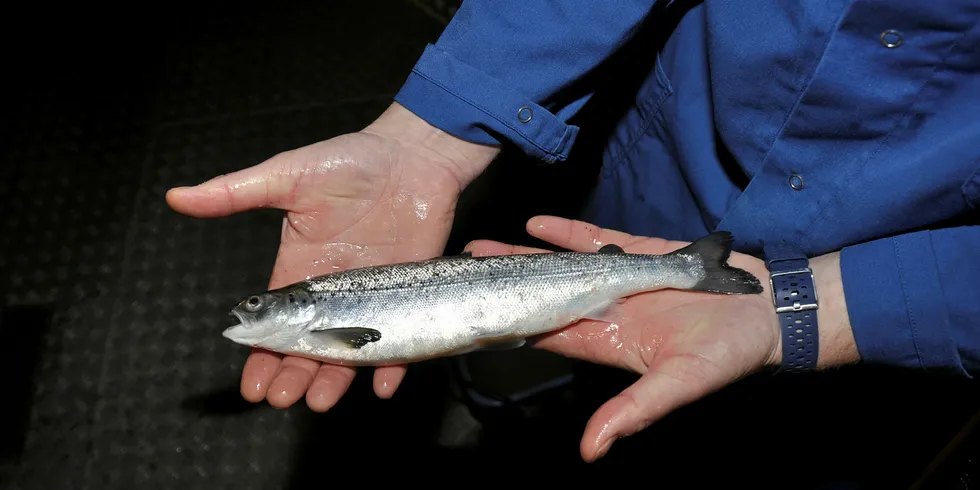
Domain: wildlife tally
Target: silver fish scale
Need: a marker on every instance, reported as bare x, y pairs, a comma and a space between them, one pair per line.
452, 270
452, 305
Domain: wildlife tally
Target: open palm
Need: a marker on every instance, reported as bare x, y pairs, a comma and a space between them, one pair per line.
684, 344
355, 200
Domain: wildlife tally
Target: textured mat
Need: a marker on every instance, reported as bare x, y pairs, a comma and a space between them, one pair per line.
123, 378
65, 217
132, 384
167, 373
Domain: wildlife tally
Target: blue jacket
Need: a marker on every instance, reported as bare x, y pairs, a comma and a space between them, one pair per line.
836, 125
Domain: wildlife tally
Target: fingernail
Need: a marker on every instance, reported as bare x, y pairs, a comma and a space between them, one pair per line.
384, 391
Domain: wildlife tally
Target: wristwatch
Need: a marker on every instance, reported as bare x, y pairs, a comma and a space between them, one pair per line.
795, 299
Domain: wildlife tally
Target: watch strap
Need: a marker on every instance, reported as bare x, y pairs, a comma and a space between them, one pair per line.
795, 300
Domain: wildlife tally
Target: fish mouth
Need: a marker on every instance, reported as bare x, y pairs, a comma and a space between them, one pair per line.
240, 333
238, 316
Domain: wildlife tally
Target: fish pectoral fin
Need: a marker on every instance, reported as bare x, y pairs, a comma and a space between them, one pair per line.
354, 337
611, 312
495, 340
503, 345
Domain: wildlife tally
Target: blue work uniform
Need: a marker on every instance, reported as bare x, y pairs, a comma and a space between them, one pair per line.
837, 125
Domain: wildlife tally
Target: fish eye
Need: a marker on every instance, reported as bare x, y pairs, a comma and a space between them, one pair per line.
253, 303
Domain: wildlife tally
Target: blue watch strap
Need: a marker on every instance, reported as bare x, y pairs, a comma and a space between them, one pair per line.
795, 300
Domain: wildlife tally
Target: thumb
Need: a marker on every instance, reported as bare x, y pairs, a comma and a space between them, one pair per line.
264, 185
650, 398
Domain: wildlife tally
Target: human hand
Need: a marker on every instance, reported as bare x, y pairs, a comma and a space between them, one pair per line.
684, 344
381, 195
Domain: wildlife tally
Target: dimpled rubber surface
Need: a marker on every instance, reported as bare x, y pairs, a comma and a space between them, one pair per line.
132, 385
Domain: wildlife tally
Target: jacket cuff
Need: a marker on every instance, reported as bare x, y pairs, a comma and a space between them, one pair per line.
896, 304
474, 106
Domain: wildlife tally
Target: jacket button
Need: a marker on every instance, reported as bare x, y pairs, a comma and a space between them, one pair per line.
524, 114
796, 182
891, 38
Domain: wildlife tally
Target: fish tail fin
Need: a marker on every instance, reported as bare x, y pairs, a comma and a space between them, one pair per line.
719, 277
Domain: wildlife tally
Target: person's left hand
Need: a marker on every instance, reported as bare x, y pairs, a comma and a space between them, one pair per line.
684, 344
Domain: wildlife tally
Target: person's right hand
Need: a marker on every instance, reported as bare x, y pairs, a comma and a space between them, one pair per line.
683, 344
381, 195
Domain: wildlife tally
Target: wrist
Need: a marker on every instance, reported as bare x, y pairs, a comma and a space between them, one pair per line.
836, 339
464, 159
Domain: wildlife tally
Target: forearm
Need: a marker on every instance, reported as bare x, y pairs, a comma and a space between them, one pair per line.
516, 71
837, 346
466, 160
904, 301
912, 299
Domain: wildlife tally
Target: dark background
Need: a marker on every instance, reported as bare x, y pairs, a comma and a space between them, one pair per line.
116, 373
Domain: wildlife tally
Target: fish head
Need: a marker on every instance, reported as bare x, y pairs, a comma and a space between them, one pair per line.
272, 318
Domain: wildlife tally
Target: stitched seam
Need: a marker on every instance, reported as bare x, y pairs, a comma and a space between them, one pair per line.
777, 136
944, 319
753, 183
940, 66
562, 140
485, 111
908, 303
648, 113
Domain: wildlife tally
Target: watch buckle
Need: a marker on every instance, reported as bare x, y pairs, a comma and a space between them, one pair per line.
796, 305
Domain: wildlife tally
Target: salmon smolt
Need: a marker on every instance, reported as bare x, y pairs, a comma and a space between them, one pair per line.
415, 311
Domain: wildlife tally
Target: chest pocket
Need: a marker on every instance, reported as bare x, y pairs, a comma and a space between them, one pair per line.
650, 99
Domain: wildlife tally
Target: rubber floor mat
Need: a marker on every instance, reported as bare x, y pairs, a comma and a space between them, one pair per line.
134, 387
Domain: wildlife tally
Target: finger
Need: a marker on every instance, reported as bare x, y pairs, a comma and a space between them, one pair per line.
329, 384
294, 378
258, 373
484, 248
264, 185
585, 237
575, 235
653, 396
387, 379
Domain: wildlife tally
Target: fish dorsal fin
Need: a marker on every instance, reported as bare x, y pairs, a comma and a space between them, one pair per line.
611, 248
462, 254
354, 337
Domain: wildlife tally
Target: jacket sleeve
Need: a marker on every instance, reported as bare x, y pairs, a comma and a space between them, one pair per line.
914, 299
500, 68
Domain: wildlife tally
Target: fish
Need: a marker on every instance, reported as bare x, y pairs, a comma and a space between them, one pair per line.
407, 312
